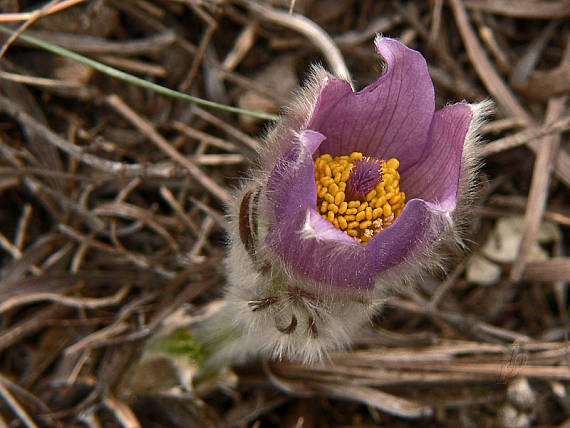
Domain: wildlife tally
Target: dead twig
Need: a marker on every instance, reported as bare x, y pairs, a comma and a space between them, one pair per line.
496, 85
45, 10
34, 16
118, 168
555, 269
98, 46
117, 104
522, 8
10, 400
309, 29
76, 302
485, 69
526, 136
538, 194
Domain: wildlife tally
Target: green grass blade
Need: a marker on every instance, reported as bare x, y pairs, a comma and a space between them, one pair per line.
118, 74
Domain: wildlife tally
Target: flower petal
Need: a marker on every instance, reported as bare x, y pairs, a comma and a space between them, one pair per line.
435, 178
416, 227
313, 247
389, 118
332, 90
291, 185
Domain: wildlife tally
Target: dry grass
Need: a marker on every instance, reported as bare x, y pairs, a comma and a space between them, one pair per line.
111, 212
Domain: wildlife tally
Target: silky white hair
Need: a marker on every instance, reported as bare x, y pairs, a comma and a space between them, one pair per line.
275, 312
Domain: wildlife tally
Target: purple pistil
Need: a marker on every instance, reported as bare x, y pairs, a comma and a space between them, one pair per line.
364, 177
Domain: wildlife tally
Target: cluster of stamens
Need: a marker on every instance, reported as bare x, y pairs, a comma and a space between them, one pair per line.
358, 205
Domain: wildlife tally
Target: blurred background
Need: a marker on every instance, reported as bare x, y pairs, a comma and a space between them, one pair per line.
112, 213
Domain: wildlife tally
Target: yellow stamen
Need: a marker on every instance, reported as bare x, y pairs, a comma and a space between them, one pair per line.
359, 219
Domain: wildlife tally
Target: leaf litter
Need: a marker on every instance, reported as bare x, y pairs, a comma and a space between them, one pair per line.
111, 219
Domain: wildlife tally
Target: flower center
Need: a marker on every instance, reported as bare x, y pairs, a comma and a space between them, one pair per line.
358, 195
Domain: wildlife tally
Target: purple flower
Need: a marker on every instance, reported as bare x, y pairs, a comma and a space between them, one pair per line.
394, 117
355, 193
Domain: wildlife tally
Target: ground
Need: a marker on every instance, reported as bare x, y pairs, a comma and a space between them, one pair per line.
112, 212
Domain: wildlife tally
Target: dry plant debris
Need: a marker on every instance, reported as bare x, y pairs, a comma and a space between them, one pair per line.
111, 212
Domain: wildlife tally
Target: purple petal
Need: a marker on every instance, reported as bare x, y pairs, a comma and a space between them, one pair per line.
389, 118
331, 91
435, 178
291, 186
393, 117
417, 226
313, 247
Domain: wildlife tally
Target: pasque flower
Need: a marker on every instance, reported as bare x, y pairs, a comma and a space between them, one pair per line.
355, 195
